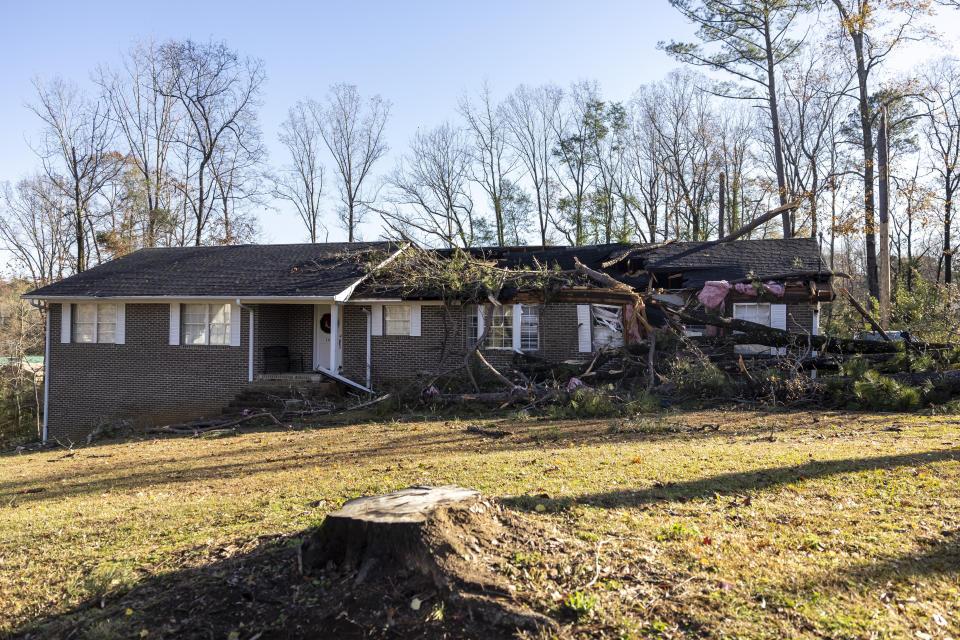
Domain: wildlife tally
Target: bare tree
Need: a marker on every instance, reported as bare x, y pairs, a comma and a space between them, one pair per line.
489, 152
430, 190
353, 132
218, 91
76, 150
301, 182
576, 136
531, 114
141, 96
942, 111
35, 229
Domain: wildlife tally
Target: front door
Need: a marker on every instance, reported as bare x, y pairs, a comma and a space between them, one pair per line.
321, 336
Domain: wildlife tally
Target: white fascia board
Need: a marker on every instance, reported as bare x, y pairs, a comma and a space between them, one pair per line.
146, 299
344, 295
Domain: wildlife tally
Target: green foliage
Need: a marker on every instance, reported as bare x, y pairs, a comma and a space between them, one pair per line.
602, 402
701, 378
580, 604
874, 391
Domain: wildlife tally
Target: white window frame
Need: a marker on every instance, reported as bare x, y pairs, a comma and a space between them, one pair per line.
399, 325
74, 323
527, 312
207, 324
511, 333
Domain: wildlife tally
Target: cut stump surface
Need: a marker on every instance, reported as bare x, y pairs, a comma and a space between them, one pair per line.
429, 538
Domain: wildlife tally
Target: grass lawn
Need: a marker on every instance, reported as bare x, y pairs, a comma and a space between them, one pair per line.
698, 524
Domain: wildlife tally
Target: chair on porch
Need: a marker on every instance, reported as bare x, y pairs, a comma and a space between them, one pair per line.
277, 359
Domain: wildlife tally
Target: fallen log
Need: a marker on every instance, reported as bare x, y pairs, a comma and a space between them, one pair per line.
754, 333
201, 426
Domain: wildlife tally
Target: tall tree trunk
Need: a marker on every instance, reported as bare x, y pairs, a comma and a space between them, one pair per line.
775, 126
947, 251
869, 207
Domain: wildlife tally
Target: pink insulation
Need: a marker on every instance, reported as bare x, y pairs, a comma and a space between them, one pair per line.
713, 293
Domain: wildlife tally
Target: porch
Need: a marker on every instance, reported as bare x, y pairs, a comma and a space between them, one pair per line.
295, 340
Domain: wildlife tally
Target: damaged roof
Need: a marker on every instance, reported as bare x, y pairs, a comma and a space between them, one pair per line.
327, 269
693, 263
698, 262
252, 270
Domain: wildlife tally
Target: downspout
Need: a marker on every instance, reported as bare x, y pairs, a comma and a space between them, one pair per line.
46, 364
369, 313
249, 340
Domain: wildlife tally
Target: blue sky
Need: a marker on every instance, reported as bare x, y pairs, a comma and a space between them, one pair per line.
420, 55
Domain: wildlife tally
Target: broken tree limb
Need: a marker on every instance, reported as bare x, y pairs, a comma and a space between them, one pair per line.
769, 215
201, 426
762, 334
863, 312
612, 283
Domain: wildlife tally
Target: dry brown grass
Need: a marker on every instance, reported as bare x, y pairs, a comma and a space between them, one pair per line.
764, 525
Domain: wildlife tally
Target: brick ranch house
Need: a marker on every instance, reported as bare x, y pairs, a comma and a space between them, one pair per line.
167, 334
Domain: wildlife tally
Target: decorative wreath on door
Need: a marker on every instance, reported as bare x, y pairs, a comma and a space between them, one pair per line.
325, 323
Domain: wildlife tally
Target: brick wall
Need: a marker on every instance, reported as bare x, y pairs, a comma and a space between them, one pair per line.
290, 325
444, 335
145, 381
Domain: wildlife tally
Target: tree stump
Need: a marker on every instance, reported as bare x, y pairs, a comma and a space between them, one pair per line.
382, 529
426, 538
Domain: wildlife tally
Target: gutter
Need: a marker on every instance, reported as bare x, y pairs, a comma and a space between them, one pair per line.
250, 340
344, 295
369, 314
46, 368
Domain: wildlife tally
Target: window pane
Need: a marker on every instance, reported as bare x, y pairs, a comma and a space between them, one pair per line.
194, 333
500, 335
398, 319
85, 313
529, 328
83, 332
106, 323
220, 324
220, 314
194, 314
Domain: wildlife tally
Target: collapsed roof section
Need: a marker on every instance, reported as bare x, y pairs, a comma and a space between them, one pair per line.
675, 265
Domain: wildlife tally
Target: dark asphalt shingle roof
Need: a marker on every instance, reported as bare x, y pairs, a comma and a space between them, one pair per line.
327, 269
701, 261
698, 262
261, 270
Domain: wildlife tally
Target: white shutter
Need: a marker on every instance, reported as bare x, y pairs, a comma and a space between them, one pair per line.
479, 310
517, 318
778, 320
234, 325
175, 323
815, 328
376, 319
415, 319
66, 309
583, 328
120, 333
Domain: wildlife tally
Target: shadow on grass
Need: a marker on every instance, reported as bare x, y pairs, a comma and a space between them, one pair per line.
67, 479
746, 481
256, 594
